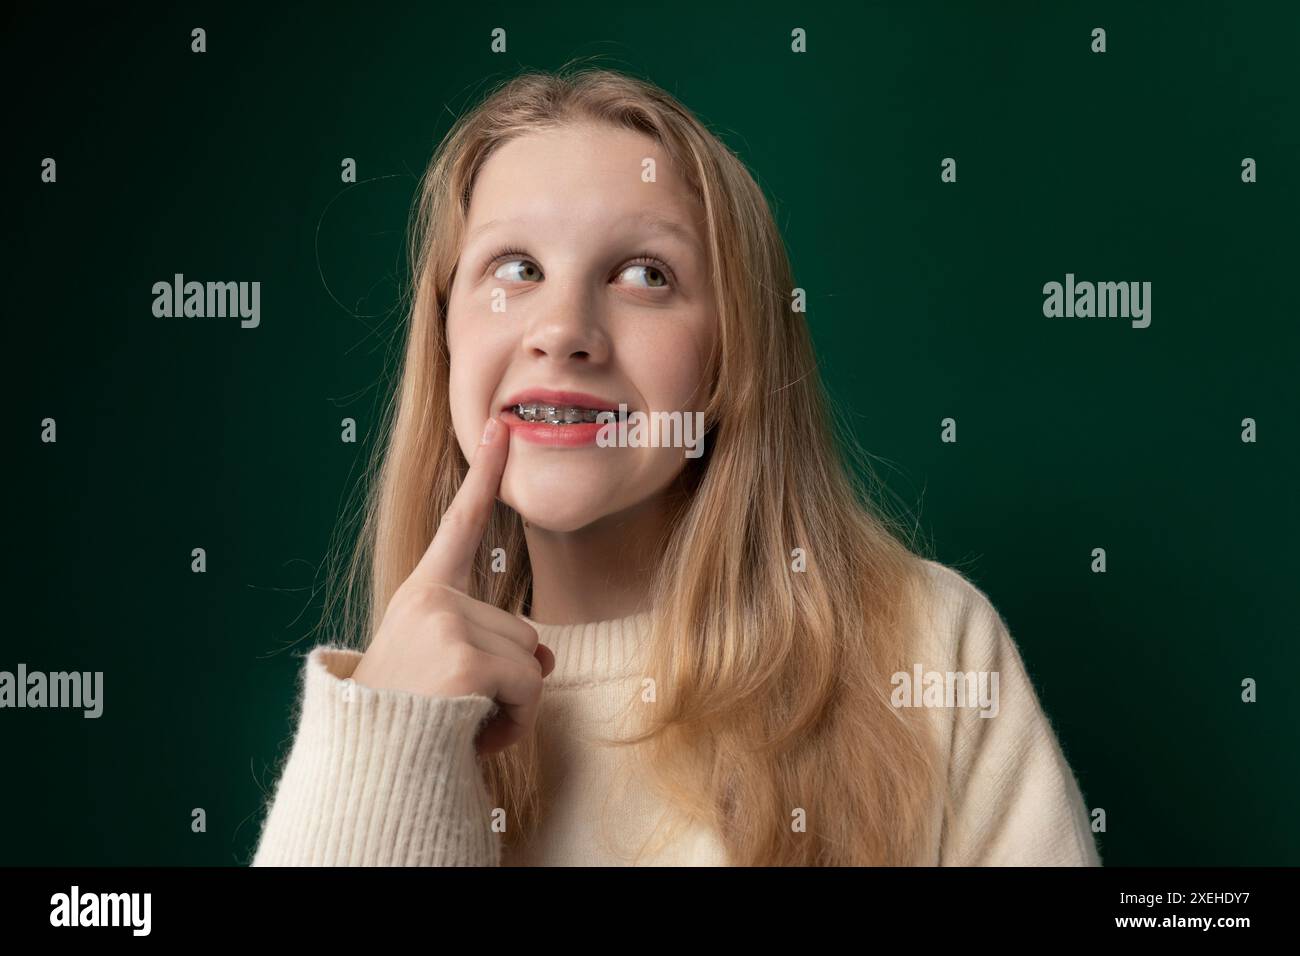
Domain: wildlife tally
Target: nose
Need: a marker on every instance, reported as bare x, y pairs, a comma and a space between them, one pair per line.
566, 325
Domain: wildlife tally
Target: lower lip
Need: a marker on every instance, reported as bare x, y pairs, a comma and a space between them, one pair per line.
560, 436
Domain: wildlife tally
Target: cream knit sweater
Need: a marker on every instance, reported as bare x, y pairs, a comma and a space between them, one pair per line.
389, 778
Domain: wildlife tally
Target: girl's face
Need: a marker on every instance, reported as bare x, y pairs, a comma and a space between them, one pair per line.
578, 276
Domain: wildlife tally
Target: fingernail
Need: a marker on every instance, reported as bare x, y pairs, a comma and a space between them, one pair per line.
489, 430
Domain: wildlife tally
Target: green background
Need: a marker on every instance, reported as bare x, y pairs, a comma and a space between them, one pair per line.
925, 302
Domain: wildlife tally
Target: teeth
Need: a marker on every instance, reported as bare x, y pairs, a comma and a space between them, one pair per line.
556, 414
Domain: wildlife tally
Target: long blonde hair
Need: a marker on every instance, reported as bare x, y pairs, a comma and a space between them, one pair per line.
773, 686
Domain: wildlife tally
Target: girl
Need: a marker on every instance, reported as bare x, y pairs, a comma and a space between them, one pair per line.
580, 650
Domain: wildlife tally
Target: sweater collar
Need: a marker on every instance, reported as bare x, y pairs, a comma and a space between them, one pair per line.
597, 651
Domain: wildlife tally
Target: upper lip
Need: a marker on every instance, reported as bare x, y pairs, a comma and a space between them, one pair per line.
560, 399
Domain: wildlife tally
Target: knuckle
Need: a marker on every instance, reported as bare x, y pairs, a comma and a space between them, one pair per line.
456, 518
426, 597
439, 597
461, 662
411, 590
448, 523
448, 626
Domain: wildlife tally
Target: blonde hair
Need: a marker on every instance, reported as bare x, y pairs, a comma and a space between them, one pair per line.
773, 687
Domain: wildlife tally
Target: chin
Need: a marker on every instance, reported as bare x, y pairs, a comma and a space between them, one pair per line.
544, 515
555, 502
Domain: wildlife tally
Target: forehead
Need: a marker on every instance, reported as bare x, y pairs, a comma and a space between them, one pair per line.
576, 175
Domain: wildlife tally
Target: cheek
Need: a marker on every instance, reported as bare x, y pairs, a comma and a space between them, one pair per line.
670, 374
470, 381
670, 368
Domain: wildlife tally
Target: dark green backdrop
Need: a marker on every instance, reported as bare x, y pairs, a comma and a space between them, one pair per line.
925, 300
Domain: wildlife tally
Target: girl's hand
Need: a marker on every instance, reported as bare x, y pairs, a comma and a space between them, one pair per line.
437, 641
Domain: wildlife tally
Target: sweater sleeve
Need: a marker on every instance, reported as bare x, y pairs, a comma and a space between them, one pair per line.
379, 777
1014, 798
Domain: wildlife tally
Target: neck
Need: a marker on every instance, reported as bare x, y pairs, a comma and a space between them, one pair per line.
602, 571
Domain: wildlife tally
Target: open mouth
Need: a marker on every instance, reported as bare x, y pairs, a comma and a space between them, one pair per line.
549, 414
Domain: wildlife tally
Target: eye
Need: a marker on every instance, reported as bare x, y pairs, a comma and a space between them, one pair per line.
527, 271
655, 270
515, 264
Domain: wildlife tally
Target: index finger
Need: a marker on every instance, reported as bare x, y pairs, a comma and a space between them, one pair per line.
450, 554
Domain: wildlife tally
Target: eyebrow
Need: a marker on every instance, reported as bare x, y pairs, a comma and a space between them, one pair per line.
649, 221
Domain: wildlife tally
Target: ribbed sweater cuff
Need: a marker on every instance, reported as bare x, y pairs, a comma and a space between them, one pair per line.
379, 777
